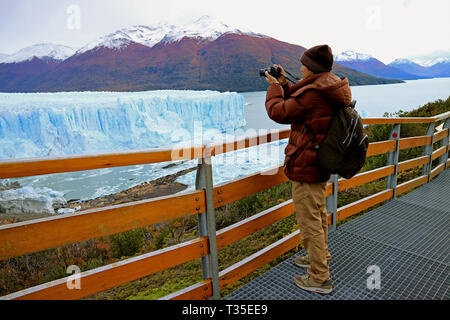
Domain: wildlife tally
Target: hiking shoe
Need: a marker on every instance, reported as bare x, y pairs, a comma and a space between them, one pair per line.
305, 282
303, 261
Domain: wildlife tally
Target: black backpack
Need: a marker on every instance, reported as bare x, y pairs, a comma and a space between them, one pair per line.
343, 150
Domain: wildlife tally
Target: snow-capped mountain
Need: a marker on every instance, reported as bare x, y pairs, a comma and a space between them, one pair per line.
368, 64
2, 55
147, 36
44, 51
205, 54
433, 66
429, 60
350, 55
205, 28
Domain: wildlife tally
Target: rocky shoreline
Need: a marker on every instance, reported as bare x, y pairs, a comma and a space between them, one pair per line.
156, 188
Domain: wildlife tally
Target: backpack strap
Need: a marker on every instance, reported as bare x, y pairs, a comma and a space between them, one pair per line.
311, 136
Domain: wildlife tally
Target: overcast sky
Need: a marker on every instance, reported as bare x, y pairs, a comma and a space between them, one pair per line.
387, 29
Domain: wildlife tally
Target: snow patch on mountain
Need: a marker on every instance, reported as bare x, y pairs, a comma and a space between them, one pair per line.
147, 36
401, 61
42, 51
428, 60
352, 56
205, 28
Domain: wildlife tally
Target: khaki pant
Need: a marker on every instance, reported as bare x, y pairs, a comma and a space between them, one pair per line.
310, 208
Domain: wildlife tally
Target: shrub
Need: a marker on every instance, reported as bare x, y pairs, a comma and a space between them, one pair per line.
127, 243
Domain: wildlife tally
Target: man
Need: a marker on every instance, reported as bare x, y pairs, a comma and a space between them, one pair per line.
309, 102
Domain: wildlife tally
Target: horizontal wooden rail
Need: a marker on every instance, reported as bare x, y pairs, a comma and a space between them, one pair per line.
35, 235
199, 291
247, 142
413, 183
112, 275
441, 116
254, 223
412, 163
398, 120
380, 147
435, 118
69, 163
411, 142
364, 177
229, 192
232, 191
440, 135
439, 152
437, 170
362, 204
258, 259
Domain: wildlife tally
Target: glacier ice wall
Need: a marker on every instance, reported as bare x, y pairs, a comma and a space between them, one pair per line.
41, 124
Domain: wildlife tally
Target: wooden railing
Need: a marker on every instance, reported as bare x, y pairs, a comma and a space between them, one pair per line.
25, 237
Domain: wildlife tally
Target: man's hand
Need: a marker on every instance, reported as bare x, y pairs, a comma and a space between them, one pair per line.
270, 79
281, 80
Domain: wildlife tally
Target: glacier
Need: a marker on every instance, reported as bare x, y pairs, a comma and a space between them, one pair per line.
63, 123
41, 124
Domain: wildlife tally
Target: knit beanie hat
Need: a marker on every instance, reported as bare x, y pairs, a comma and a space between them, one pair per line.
318, 59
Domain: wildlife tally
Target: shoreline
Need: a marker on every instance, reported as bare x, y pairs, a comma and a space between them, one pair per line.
160, 187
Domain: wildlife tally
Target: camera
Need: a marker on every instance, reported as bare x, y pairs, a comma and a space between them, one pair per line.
273, 71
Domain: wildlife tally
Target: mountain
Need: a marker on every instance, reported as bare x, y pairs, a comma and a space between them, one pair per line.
206, 54
147, 36
440, 69
431, 59
368, 64
410, 66
43, 51
2, 55
435, 64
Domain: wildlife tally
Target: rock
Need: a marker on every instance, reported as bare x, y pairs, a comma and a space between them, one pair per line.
7, 185
65, 210
31, 200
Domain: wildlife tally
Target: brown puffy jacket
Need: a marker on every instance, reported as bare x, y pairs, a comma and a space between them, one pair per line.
311, 101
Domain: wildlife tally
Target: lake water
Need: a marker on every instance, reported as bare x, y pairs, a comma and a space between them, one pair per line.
372, 101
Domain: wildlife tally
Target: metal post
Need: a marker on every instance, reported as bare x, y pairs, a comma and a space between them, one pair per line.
207, 224
391, 180
332, 201
444, 143
428, 150
202, 224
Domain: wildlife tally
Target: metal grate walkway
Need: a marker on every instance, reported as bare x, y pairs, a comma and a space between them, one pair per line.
408, 238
